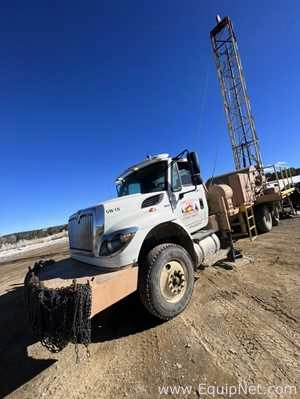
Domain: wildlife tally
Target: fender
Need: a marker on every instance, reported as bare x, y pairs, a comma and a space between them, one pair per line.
170, 231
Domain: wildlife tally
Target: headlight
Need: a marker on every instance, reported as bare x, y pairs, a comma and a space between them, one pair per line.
117, 241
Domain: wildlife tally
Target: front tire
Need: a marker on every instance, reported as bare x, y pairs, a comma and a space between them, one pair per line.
166, 280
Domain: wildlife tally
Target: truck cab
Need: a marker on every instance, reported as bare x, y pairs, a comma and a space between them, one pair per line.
174, 177
159, 193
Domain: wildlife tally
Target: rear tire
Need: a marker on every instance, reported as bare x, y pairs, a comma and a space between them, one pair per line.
275, 217
263, 219
166, 280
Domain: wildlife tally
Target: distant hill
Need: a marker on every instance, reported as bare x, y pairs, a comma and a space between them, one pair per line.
14, 238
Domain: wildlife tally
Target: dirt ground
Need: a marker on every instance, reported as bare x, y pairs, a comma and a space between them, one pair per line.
242, 326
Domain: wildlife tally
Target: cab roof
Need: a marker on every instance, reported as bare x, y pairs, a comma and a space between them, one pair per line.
151, 159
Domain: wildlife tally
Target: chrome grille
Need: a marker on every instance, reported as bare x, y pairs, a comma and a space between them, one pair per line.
81, 232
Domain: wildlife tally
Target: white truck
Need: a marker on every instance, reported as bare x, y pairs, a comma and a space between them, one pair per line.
158, 221
163, 225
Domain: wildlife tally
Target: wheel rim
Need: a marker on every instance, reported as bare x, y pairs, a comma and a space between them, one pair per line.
173, 281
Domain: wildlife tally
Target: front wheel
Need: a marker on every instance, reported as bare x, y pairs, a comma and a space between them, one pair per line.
166, 280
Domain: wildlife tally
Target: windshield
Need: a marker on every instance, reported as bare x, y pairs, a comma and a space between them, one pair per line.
149, 179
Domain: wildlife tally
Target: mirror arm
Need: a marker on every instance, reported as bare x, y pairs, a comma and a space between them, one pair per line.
181, 195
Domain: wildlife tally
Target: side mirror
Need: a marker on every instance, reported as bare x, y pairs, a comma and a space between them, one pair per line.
197, 180
193, 161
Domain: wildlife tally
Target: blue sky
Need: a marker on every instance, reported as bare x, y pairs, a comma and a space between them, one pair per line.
88, 88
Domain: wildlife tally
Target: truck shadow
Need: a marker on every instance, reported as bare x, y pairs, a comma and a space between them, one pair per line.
124, 318
16, 366
128, 316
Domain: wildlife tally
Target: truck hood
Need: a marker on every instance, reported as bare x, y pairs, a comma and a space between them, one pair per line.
125, 211
137, 210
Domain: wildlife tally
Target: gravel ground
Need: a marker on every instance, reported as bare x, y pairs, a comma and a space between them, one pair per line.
241, 327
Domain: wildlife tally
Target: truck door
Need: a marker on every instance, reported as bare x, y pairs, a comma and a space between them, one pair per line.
189, 204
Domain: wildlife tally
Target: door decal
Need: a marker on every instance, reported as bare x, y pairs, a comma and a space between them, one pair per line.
189, 207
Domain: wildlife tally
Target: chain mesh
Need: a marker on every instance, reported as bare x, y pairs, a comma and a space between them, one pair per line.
58, 315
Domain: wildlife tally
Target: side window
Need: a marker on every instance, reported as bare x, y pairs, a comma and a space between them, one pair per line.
134, 188
159, 184
185, 174
175, 179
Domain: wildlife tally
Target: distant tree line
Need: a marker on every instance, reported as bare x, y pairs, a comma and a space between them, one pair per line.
293, 172
31, 235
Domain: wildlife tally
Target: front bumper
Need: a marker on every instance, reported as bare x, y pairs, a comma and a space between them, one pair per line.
61, 297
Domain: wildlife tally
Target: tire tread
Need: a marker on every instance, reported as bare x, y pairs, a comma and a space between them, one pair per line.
145, 276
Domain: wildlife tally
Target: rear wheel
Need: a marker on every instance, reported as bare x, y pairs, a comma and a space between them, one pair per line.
263, 219
166, 280
275, 216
